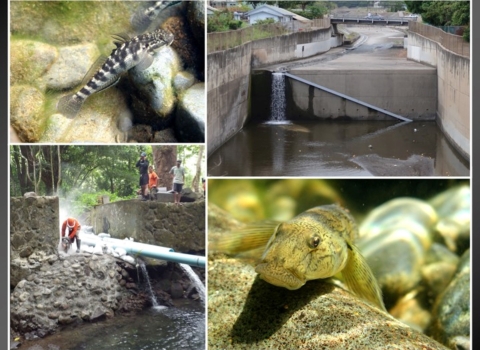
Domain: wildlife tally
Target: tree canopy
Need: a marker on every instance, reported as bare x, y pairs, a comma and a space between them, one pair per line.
82, 173
442, 13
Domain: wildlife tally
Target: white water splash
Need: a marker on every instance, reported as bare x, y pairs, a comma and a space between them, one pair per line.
195, 280
279, 104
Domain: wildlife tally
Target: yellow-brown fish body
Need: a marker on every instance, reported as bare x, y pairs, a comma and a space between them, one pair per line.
318, 244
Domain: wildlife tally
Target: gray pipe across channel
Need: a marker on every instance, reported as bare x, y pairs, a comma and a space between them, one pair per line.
147, 250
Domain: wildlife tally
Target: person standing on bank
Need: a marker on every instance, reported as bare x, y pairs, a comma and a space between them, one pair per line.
178, 173
142, 166
71, 228
152, 181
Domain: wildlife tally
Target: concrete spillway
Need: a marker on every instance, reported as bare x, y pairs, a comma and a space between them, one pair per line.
147, 250
336, 93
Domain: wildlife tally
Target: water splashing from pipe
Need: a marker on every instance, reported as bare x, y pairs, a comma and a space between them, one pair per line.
147, 279
195, 280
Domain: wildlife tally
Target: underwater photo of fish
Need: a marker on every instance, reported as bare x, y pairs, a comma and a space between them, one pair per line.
107, 71
339, 264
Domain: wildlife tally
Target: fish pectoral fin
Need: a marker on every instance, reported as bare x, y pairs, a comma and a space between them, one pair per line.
252, 236
93, 69
359, 278
120, 39
145, 62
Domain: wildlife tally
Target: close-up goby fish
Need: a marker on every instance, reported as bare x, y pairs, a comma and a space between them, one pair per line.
129, 52
315, 244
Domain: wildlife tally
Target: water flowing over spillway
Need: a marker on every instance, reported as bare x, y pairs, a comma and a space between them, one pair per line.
147, 281
195, 280
279, 104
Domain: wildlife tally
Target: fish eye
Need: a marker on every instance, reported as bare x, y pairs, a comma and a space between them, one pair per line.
314, 241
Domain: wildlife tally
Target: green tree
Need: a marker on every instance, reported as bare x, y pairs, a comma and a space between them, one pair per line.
442, 13
255, 3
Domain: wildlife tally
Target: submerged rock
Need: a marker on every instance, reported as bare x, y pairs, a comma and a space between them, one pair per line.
26, 107
451, 313
190, 118
71, 66
248, 313
30, 60
453, 207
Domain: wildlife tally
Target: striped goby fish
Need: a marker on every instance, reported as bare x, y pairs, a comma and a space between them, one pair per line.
142, 19
130, 52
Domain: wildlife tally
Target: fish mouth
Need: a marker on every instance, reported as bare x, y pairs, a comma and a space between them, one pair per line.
278, 276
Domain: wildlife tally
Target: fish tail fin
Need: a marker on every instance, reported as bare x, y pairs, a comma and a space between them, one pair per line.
359, 278
251, 237
69, 105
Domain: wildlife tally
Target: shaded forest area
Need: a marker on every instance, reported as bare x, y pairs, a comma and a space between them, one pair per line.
82, 173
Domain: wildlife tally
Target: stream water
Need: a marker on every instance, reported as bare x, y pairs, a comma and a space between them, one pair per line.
181, 327
338, 148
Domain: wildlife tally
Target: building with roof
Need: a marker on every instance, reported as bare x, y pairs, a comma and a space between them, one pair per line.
289, 19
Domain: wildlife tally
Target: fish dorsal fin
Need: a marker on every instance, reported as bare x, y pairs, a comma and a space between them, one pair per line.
252, 236
120, 39
145, 62
93, 69
359, 278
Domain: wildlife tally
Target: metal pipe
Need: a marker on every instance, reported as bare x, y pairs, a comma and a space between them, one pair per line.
148, 250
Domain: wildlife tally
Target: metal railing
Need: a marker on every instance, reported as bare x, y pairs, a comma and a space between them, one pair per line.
454, 43
218, 41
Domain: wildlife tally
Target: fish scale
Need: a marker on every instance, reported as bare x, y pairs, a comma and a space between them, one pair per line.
135, 52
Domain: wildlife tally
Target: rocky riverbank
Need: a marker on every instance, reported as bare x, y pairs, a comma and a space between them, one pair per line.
72, 289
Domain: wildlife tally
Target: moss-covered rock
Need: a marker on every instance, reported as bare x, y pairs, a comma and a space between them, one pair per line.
26, 112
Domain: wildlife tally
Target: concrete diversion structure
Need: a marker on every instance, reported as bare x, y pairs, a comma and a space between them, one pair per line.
442, 85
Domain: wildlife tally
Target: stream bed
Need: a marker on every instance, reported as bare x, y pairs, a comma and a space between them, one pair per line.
338, 148
160, 328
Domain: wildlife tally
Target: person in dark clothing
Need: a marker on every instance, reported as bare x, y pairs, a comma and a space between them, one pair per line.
142, 166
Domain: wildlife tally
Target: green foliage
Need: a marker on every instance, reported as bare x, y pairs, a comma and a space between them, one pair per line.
351, 4
442, 13
256, 3
235, 24
316, 10
222, 21
466, 34
265, 21
83, 202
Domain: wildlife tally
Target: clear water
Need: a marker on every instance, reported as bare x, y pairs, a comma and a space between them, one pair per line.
278, 97
338, 148
170, 328
195, 280
147, 281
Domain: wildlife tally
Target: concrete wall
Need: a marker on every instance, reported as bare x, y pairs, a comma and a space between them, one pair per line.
453, 76
409, 93
290, 46
227, 93
179, 227
229, 77
34, 225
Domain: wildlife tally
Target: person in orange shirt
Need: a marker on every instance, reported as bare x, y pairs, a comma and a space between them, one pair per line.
71, 228
152, 181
